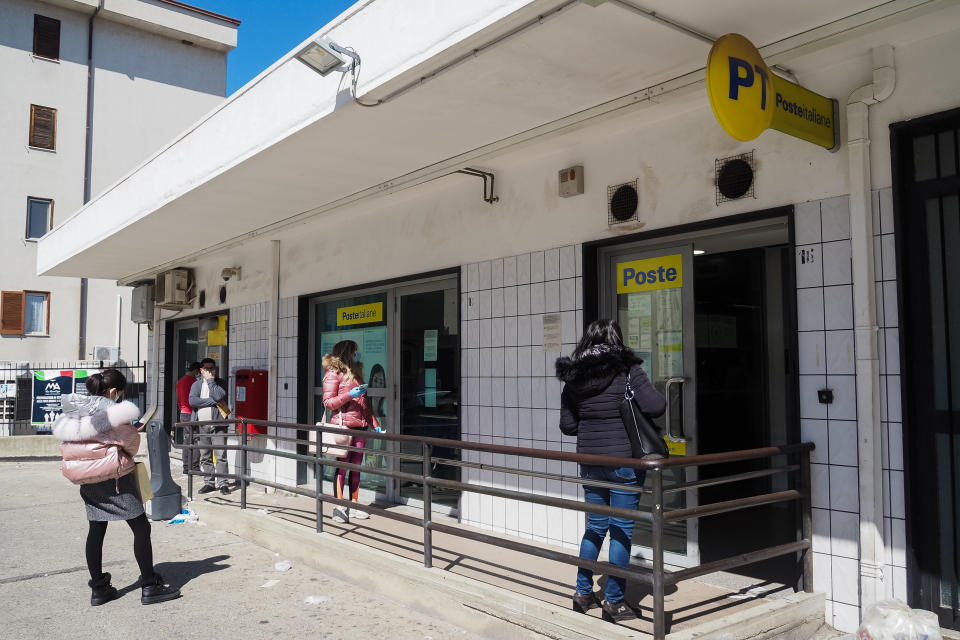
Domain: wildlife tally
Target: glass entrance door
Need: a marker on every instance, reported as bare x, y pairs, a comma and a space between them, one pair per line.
429, 380
650, 293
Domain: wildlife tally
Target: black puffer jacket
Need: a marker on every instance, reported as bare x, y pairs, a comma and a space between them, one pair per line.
594, 386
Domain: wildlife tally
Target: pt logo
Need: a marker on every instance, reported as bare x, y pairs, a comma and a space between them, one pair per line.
52, 388
747, 78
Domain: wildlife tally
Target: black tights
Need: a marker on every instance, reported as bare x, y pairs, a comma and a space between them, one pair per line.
142, 547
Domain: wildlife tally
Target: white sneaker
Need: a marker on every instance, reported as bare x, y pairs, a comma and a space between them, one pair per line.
358, 514
339, 515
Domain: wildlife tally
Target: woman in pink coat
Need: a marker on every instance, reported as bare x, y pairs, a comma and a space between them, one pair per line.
344, 395
98, 445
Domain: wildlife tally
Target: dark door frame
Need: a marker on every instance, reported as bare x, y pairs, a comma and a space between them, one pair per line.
920, 486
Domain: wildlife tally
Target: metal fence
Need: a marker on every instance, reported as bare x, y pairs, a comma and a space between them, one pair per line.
790, 460
29, 391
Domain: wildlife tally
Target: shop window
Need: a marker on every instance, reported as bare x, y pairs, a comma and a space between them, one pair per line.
46, 37
39, 217
43, 127
24, 312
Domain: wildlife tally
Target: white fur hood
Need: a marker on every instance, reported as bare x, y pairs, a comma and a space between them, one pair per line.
76, 427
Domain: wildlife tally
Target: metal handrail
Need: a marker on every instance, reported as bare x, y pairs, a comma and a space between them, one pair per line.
657, 577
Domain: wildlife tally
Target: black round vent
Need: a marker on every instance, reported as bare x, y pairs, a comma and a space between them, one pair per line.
203, 298
223, 295
623, 203
735, 178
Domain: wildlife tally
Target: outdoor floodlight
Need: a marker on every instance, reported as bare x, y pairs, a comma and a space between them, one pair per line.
321, 55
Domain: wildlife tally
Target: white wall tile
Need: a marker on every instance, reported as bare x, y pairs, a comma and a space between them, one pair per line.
485, 275
890, 310
897, 496
536, 329
894, 432
812, 352
510, 331
806, 222
845, 534
473, 277
551, 264
568, 294
510, 361
538, 389
821, 530
537, 301
836, 263
551, 296
523, 269
510, 391
537, 363
538, 423
838, 307
815, 431
845, 580
511, 422
568, 262
844, 406
820, 486
840, 352
843, 442
496, 299
810, 406
900, 583
809, 261
886, 211
536, 266
497, 421
523, 331
484, 303
810, 309
510, 271
892, 340
888, 257
844, 488
523, 300
835, 218
822, 574
496, 361
524, 392
486, 332
846, 617
496, 273
496, 332
510, 300
523, 361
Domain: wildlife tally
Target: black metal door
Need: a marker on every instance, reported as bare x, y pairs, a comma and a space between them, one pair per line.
927, 192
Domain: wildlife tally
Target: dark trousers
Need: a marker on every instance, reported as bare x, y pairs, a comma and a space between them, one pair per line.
190, 457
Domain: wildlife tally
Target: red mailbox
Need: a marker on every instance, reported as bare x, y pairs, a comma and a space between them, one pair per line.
251, 397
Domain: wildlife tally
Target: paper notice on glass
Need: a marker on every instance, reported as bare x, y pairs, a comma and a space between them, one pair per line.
633, 341
430, 388
671, 361
639, 304
668, 309
552, 332
430, 345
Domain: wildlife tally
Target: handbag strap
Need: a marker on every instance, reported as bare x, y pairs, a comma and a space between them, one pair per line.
628, 390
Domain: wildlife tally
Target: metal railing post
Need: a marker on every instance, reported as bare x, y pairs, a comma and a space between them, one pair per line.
806, 518
243, 465
189, 465
318, 479
659, 627
427, 506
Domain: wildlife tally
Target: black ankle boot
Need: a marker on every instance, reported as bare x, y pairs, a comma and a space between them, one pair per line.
102, 591
154, 590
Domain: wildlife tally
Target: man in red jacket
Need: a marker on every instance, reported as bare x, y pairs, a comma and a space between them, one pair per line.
191, 457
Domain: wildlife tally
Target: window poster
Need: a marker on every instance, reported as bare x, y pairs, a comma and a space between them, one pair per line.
430, 388
372, 346
430, 337
48, 387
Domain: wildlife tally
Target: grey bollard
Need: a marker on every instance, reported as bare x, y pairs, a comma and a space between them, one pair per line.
166, 502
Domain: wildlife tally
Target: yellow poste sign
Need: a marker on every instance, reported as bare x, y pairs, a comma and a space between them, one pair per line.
650, 274
747, 98
360, 314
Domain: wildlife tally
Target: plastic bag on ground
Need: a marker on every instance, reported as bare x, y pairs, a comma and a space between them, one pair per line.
283, 565
316, 599
893, 620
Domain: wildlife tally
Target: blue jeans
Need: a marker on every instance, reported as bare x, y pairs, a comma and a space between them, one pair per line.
621, 529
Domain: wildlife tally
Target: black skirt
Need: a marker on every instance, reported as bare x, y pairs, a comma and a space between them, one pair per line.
112, 499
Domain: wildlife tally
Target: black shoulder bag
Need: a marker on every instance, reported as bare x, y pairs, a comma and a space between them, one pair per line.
645, 440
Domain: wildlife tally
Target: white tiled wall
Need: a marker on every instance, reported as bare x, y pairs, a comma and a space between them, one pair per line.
287, 384
827, 359
509, 389
248, 346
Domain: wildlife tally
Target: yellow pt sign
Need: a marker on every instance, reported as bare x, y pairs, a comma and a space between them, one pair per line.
650, 274
360, 314
747, 99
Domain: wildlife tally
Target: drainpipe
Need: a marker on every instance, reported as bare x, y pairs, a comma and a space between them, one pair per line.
872, 553
88, 149
274, 344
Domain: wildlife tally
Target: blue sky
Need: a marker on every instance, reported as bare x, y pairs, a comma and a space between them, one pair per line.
269, 29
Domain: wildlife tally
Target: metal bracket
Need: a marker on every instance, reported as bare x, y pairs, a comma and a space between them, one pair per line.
488, 198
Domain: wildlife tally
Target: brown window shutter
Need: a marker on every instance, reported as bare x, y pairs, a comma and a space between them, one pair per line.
43, 127
12, 304
46, 37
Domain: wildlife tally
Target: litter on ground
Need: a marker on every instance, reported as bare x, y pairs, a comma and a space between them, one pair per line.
283, 565
315, 599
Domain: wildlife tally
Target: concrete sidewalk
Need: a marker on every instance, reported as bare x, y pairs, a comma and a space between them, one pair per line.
230, 586
532, 591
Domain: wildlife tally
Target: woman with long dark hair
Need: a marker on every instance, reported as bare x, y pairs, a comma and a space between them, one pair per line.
595, 378
98, 446
344, 395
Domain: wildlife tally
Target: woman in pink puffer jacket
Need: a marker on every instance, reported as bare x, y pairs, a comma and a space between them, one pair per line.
98, 445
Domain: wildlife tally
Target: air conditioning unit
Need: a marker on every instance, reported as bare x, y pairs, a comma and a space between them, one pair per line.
106, 354
172, 289
141, 304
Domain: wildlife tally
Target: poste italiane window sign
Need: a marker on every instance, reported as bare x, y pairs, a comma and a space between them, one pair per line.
360, 314
650, 274
747, 98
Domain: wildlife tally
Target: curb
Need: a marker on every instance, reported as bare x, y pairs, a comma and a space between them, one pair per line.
482, 608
